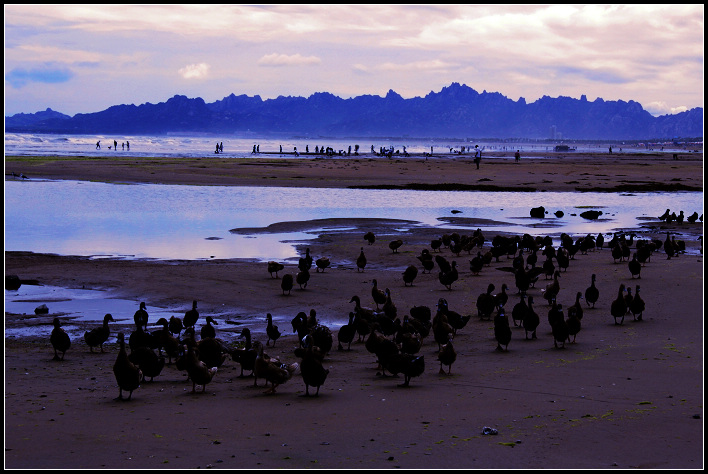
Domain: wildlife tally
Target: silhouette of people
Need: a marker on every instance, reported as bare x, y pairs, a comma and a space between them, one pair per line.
127, 144
477, 155
123, 145
221, 147
258, 149
517, 156
254, 150
307, 148
217, 149
115, 145
296, 153
610, 150
281, 148
98, 145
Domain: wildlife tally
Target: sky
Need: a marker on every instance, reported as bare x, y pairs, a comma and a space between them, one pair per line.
86, 58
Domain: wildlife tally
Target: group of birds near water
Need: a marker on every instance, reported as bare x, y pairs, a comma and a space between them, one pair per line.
394, 341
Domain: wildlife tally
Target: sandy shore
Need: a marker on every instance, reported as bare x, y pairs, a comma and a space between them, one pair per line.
622, 396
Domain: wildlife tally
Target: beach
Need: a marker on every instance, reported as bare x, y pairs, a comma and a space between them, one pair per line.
620, 397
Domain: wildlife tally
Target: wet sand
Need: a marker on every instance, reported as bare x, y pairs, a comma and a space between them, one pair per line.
622, 396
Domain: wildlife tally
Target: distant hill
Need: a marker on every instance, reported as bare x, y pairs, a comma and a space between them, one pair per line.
456, 111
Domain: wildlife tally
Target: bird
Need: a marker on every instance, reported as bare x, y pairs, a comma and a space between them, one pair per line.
409, 275
426, 259
245, 356
302, 277
485, 303
443, 264
208, 330
191, 316
175, 325
286, 283
60, 340
141, 316
410, 365
592, 293
378, 295
370, 237
576, 309
502, 331
450, 277
637, 306
441, 326
299, 325
321, 264
693, 217
271, 369
212, 351
305, 263
163, 339
447, 355
321, 336
127, 374
560, 332
573, 324
389, 308
97, 336
552, 289
500, 299
476, 264
635, 267
274, 267
618, 308
149, 363
531, 321
198, 371
141, 338
599, 241
313, 372
435, 244
346, 333
628, 298
409, 340
548, 267
394, 245
518, 312
361, 261
271, 330
454, 319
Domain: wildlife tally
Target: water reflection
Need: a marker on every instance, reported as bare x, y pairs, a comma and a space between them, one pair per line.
193, 222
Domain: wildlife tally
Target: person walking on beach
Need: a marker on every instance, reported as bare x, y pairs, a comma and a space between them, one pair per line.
517, 156
98, 145
127, 144
221, 147
115, 145
477, 155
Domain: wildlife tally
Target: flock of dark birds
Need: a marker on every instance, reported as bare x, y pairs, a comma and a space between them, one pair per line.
394, 341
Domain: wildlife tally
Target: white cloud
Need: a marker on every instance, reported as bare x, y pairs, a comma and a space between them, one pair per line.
661, 108
195, 71
278, 60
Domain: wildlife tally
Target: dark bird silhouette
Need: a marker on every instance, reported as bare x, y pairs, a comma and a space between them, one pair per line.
618, 308
321, 264
141, 316
347, 333
361, 261
576, 309
592, 293
191, 316
175, 326
274, 267
97, 336
635, 267
500, 299
443, 264
305, 263
599, 241
409, 275
561, 332
442, 330
410, 365
198, 371
573, 324
552, 289
271, 330
163, 339
60, 340
518, 312
127, 374
454, 319
208, 330
447, 355
450, 277
245, 356
370, 237
476, 264
394, 245
286, 283
637, 306
149, 363
378, 295
628, 298
313, 372
531, 321
426, 259
502, 331
485, 303
435, 244
302, 277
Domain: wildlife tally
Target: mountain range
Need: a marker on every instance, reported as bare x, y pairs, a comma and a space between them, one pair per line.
456, 111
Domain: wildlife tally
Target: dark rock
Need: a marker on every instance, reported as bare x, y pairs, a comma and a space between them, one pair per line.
538, 211
41, 309
12, 282
591, 214
559, 214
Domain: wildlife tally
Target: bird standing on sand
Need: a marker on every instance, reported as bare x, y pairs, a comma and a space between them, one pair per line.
592, 293
141, 316
637, 306
635, 267
361, 261
191, 316
127, 374
60, 340
502, 331
531, 321
618, 308
274, 267
286, 283
271, 330
409, 275
447, 356
370, 237
97, 336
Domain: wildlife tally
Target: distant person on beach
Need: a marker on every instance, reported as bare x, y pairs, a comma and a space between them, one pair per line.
98, 145
307, 148
123, 145
115, 145
610, 150
221, 147
217, 148
517, 156
477, 155
258, 149
281, 148
296, 153
254, 150
127, 144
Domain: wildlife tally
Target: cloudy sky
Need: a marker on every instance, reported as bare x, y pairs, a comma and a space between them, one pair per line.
85, 58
